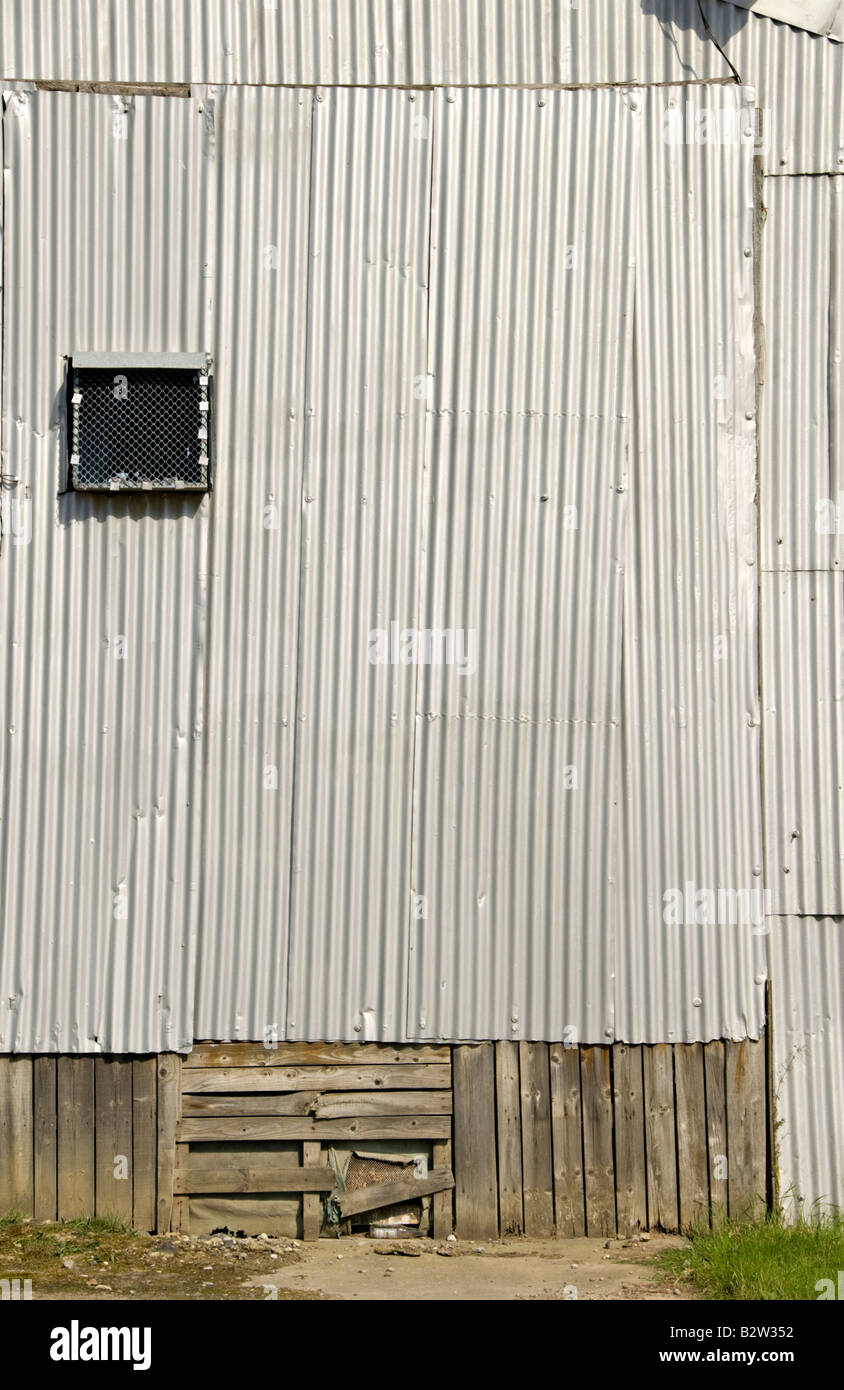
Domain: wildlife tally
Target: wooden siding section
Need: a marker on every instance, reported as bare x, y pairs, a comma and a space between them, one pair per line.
539, 1138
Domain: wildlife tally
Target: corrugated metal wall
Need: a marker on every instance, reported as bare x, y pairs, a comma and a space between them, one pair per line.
389, 851
103, 600
691, 708
356, 42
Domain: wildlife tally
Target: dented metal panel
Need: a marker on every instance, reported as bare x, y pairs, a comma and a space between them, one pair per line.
103, 599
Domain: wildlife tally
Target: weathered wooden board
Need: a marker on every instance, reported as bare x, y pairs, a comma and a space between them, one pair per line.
630, 1176
315, 1054
44, 1138
226, 1129
287, 1103
246, 1177
247, 1155
169, 1105
144, 1141
113, 1137
408, 1077
442, 1213
714, 1075
311, 1202
567, 1140
384, 1194
660, 1136
596, 1095
75, 1135
746, 1136
335, 1105
475, 1171
508, 1112
692, 1174
16, 1131
537, 1164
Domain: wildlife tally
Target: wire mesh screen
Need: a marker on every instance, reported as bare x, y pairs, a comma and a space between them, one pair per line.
139, 428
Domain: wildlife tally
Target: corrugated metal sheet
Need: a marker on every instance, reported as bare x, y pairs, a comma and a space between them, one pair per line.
347, 42
799, 82
101, 811
802, 474
365, 451
690, 702
262, 157
819, 16
803, 673
808, 998
529, 355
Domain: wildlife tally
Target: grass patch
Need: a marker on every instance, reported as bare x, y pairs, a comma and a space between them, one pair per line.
764, 1259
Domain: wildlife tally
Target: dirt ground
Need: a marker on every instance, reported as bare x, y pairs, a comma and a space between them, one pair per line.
79, 1261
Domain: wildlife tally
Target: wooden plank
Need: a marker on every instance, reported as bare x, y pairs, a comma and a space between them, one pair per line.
693, 1178
337, 1105
200, 1159
475, 1172
567, 1140
113, 1137
180, 1220
597, 1141
287, 1103
244, 1177
44, 1138
75, 1137
311, 1202
660, 1137
384, 1194
144, 1142
508, 1115
537, 1163
714, 1075
226, 1129
315, 1054
169, 1104
442, 1214
746, 1137
629, 1119
17, 1171
205, 1079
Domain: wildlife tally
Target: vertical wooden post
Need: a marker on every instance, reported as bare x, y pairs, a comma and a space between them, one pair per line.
16, 1128
169, 1112
597, 1141
144, 1145
660, 1137
716, 1125
746, 1146
630, 1180
693, 1176
567, 1140
442, 1202
44, 1137
113, 1137
536, 1139
509, 1130
311, 1201
475, 1171
75, 1138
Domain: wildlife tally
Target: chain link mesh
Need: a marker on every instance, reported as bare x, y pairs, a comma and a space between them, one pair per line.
139, 428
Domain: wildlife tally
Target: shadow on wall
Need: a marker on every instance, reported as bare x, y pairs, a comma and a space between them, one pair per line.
724, 20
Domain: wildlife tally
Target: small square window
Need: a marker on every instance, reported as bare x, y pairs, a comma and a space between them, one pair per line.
139, 424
